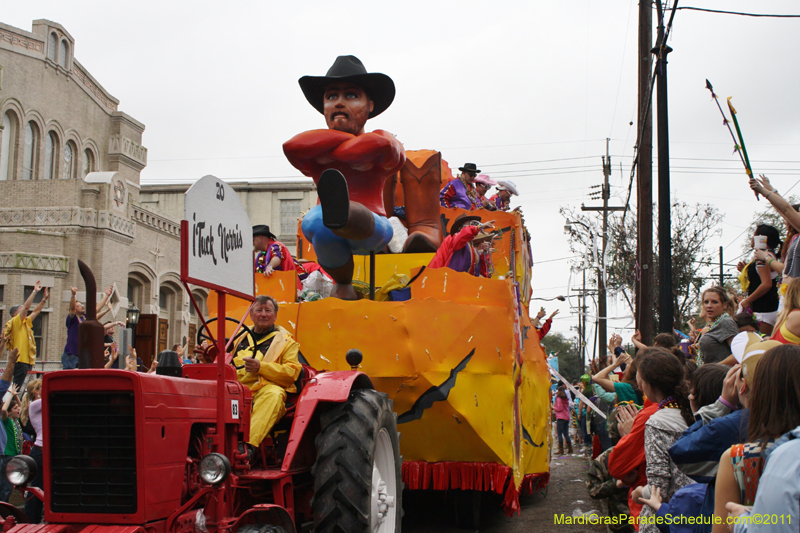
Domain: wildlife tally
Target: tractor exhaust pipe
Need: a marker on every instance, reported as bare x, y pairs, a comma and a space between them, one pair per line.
90, 332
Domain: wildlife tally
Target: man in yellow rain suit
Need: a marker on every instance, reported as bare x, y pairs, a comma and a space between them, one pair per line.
267, 363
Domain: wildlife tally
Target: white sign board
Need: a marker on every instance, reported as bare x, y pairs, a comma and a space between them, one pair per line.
218, 246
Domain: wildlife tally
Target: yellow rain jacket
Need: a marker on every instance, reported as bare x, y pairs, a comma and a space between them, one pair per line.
279, 370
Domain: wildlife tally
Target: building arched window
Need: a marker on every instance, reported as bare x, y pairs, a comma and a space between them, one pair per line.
70, 156
30, 147
52, 46
88, 163
7, 144
63, 53
50, 156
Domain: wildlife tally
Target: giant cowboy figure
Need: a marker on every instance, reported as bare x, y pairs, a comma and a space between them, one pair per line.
349, 167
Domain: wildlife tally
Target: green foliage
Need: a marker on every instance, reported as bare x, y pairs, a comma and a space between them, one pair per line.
569, 360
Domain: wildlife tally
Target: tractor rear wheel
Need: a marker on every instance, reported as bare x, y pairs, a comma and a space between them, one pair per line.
357, 478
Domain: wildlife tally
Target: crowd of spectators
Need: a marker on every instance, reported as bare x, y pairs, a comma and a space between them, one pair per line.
696, 424
702, 430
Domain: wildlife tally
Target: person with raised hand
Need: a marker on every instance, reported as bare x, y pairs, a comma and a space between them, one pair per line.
19, 332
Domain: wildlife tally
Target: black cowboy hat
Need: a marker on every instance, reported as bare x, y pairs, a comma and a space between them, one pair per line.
379, 87
469, 167
263, 230
460, 220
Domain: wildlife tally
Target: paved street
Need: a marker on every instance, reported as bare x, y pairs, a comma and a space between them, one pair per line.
429, 513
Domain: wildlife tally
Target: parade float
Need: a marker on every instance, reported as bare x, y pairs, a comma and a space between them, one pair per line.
457, 354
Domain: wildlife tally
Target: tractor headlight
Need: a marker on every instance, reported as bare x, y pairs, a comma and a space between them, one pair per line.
21, 469
214, 468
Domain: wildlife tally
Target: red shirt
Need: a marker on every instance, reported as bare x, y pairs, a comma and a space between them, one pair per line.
628, 455
365, 160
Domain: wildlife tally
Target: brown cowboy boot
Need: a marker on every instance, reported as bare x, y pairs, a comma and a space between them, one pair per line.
569, 447
421, 178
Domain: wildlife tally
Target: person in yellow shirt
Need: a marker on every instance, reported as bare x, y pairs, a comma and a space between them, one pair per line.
19, 333
267, 363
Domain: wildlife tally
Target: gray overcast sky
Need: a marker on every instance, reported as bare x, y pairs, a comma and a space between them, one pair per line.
509, 85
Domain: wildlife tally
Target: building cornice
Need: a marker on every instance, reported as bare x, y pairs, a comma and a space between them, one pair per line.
33, 261
68, 217
299, 184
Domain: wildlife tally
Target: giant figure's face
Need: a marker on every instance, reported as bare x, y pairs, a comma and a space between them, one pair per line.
347, 107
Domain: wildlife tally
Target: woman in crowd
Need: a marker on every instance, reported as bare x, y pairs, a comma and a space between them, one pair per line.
771, 389
10, 413
661, 379
32, 413
778, 493
627, 460
627, 389
746, 322
561, 409
760, 281
715, 340
791, 255
698, 450
787, 326
706, 385
668, 341
33, 391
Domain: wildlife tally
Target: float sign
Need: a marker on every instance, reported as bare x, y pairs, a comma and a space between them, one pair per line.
217, 241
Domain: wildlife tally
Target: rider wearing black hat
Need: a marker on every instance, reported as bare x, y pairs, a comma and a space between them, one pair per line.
461, 192
271, 254
457, 251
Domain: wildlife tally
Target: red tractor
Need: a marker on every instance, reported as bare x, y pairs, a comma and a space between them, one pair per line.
128, 452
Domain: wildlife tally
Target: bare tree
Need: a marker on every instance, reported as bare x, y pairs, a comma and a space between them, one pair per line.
692, 225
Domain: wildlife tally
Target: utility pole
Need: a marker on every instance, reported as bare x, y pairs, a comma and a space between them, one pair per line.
721, 271
665, 305
583, 317
601, 270
644, 178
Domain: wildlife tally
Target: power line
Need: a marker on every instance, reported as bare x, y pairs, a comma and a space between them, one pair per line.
542, 161
737, 12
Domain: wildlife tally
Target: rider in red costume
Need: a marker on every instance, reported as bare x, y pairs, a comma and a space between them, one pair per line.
349, 167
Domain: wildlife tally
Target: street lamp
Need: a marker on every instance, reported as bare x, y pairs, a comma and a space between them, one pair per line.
559, 298
132, 314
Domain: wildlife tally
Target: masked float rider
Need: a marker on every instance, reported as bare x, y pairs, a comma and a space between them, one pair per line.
267, 363
349, 167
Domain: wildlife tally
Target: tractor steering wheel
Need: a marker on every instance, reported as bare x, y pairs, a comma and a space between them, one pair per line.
209, 353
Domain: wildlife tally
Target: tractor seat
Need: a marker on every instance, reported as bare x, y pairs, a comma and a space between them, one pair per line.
306, 373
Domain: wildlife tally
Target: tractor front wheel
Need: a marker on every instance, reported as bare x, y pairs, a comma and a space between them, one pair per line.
357, 478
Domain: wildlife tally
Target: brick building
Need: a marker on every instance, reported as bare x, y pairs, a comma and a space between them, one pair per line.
70, 164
